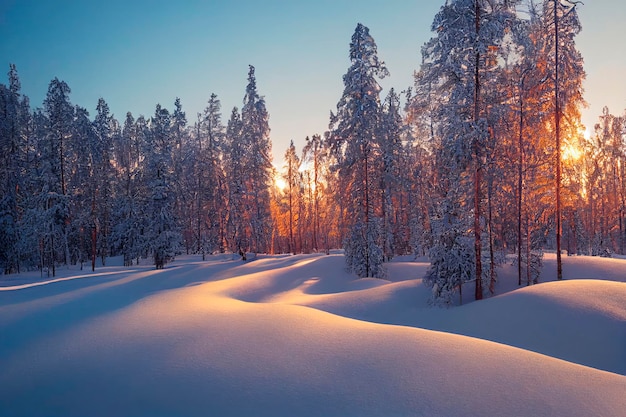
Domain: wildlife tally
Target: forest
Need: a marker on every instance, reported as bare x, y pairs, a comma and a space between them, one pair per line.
484, 157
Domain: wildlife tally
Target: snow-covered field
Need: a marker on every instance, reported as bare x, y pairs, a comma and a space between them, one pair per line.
298, 336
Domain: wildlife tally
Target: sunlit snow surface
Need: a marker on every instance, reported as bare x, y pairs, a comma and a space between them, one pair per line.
298, 336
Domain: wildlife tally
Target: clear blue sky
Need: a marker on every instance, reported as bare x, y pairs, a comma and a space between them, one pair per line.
136, 54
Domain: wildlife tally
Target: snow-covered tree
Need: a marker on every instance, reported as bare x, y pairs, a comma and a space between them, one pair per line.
217, 196
292, 178
12, 131
234, 153
105, 128
129, 207
249, 173
258, 173
458, 62
163, 236
84, 187
53, 201
524, 123
392, 188
565, 65
210, 196
314, 153
452, 254
354, 129
179, 184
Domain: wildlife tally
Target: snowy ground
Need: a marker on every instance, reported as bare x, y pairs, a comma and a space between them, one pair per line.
298, 336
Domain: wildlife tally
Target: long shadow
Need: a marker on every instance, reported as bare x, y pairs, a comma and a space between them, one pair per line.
53, 308
327, 272
264, 264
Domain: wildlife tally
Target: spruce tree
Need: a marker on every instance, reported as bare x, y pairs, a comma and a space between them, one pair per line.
455, 68
258, 172
129, 206
163, 235
353, 141
234, 163
55, 152
292, 177
14, 115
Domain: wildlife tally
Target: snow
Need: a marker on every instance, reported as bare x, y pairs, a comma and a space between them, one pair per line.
299, 336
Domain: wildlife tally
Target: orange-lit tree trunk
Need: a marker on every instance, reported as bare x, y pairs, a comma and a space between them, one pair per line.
520, 184
557, 117
478, 293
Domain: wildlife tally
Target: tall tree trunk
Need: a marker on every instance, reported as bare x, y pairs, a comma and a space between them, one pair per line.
291, 244
94, 233
520, 184
478, 169
316, 224
492, 265
557, 116
528, 252
622, 237
367, 210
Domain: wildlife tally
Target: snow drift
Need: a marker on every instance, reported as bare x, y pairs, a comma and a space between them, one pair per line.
226, 338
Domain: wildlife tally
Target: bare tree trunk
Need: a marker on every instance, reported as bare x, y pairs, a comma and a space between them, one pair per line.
367, 209
622, 237
528, 253
492, 266
478, 170
94, 234
557, 116
291, 244
520, 184
316, 223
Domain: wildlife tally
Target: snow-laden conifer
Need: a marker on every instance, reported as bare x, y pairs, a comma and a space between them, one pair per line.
456, 66
163, 236
355, 127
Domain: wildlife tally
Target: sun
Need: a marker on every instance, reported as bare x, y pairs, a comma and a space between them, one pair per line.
572, 149
280, 183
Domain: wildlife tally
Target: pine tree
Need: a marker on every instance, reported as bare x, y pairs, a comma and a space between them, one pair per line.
292, 177
163, 233
54, 202
314, 153
14, 115
419, 171
455, 67
353, 142
85, 188
258, 173
179, 186
105, 128
129, 206
566, 69
210, 196
234, 162
215, 174
526, 74
389, 141
451, 256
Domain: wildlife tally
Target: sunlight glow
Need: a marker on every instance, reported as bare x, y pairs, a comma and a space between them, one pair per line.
280, 183
571, 152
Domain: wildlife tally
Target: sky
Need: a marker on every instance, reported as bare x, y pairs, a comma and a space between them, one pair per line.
135, 54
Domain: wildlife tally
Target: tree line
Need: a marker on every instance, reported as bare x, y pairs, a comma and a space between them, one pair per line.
76, 189
483, 157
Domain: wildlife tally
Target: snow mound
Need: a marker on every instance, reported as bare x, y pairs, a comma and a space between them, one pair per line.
238, 339
582, 321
